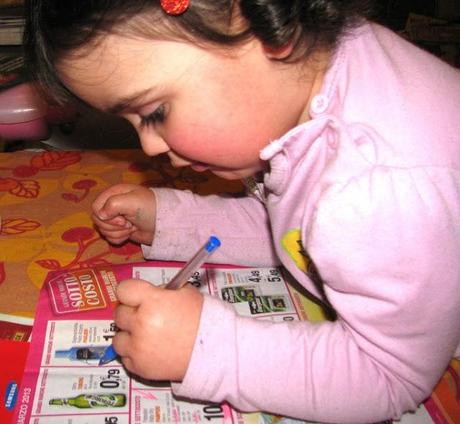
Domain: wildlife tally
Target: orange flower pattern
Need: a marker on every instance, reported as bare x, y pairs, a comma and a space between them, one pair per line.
46, 161
17, 226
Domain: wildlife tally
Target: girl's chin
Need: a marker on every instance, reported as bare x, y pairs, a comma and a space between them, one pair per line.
232, 174
228, 174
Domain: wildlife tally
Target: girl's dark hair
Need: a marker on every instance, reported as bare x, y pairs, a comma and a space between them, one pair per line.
56, 29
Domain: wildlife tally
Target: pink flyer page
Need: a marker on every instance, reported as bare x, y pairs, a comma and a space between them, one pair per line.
63, 382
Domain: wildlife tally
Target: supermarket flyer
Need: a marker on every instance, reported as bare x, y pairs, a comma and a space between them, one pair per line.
63, 382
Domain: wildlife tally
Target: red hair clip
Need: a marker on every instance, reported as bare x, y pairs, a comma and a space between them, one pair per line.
174, 7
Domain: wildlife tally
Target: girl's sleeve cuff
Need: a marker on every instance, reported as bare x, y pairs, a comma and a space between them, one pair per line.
214, 346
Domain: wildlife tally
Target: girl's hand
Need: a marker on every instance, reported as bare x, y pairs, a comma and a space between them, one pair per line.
157, 327
125, 211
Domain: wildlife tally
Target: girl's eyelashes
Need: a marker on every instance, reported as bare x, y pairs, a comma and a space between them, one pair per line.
157, 116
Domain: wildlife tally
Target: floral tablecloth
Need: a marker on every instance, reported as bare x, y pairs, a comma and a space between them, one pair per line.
45, 211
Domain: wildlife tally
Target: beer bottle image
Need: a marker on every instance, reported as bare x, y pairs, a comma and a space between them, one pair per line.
82, 353
96, 400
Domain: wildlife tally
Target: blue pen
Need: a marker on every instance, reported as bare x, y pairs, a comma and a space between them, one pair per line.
179, 280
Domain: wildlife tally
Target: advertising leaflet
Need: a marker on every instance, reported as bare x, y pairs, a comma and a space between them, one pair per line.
63, 382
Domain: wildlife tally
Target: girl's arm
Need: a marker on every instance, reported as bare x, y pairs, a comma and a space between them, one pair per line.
386, 246
185, 220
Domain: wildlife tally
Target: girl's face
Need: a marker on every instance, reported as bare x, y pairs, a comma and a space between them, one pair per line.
204, 108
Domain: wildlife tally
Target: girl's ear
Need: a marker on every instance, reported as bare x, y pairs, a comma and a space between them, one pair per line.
278, 53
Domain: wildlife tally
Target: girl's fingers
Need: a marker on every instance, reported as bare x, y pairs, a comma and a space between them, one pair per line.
101, 200
116, 241
123, 317
125, 204
116, 234
121, 343
128, 363
113, 223
133, 292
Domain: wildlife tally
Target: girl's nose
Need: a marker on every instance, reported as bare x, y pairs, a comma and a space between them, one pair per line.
153, 144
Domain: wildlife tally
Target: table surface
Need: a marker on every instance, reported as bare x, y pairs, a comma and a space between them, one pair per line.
45, 210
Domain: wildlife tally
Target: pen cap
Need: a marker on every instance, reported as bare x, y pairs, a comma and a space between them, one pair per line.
213, 244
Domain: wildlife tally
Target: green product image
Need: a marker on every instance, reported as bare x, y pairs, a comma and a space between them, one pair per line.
236, 294
267, 304
105, 400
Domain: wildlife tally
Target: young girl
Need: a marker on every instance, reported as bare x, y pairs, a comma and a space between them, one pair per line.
349, 139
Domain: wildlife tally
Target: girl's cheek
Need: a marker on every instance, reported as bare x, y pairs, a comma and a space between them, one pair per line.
187, 141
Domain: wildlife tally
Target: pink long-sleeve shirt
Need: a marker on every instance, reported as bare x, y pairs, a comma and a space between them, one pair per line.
370, 188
